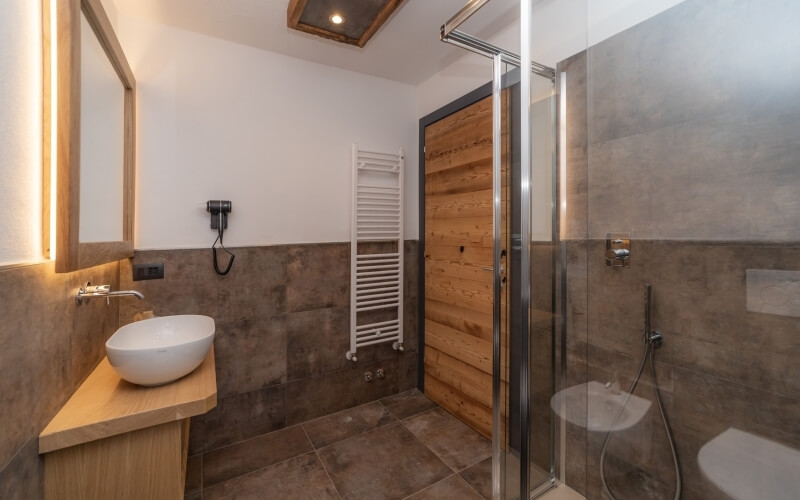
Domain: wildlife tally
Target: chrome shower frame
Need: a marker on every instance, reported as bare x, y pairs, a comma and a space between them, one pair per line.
450, 34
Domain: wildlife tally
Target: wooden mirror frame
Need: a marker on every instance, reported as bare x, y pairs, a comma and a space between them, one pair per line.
71, 254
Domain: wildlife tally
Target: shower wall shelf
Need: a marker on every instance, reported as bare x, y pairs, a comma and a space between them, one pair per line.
376, 250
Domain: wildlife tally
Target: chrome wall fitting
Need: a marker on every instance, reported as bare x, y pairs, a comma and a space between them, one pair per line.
618, 249
103, 291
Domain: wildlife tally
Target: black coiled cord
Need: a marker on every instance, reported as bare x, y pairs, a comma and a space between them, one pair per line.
214, 252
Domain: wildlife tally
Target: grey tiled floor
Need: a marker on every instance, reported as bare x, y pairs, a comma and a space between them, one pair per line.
404, 446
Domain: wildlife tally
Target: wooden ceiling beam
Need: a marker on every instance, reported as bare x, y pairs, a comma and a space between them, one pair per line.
330, 35
294, 11
381, 18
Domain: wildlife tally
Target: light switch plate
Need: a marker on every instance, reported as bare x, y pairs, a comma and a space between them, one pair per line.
148, 271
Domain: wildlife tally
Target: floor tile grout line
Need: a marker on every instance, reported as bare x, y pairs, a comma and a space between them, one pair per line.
202, 479
305, 432
395, 421
428, 447
328, 475
319, 459
287, 428
257, 470
473, 488
202, 461
340, 411
395, 395
235, 443
313, 446
315, 449
398, 422
428, 487
474, 464
420, 413
402, 422
456, 474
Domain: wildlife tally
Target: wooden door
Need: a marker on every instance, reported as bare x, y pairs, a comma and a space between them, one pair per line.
458, 260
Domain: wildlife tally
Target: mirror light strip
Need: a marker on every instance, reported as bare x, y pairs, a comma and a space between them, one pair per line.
53, 124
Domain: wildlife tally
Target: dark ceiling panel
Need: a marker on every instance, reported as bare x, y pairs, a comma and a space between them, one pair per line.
358, 15
362, 18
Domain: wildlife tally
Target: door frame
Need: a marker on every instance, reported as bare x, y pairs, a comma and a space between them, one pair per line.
462, 102
509, 79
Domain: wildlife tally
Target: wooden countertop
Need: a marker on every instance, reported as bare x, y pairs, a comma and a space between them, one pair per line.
105, 405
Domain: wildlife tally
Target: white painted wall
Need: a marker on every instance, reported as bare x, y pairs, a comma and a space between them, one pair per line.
217, 120
465, 74
272, 133
20, 130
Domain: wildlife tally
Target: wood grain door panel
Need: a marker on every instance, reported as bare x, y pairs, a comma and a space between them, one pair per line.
458, 251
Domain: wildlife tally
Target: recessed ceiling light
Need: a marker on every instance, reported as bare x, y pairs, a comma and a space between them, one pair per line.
337, 19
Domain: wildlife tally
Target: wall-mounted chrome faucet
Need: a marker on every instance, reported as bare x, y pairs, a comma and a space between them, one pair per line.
618, 249
103, 291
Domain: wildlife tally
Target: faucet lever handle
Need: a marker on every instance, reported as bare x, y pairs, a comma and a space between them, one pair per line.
97, 289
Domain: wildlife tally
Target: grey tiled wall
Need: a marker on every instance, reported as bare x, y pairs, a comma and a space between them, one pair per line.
282, 330
692, 124
684, 131
720, 366
541, 362
282, 317
48, 346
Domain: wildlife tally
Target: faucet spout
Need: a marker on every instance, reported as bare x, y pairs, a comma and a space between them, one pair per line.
103, 291
139, 295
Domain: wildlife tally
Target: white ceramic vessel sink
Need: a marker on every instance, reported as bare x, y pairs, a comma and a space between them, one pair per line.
159, 350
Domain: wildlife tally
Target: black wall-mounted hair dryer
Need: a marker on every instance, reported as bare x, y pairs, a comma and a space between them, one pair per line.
219, 210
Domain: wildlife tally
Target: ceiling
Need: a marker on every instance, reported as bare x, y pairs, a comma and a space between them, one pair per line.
406, 49
358, 21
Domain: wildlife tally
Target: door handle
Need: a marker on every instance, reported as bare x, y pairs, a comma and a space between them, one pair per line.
491, 269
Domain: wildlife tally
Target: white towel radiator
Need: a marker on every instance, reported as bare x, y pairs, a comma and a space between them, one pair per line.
376, 277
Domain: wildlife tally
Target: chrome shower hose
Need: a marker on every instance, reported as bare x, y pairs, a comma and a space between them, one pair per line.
653, 342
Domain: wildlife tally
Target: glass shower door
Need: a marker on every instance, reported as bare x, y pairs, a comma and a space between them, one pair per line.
685, 141
526, 314
505, 451
524, 237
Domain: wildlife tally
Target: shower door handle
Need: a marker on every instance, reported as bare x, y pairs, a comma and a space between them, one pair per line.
491, 269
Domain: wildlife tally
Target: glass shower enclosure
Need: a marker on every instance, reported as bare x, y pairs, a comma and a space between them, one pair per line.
524, 433
646, 249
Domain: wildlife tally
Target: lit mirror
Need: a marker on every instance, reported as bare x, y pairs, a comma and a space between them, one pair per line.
102, 142
89, 152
